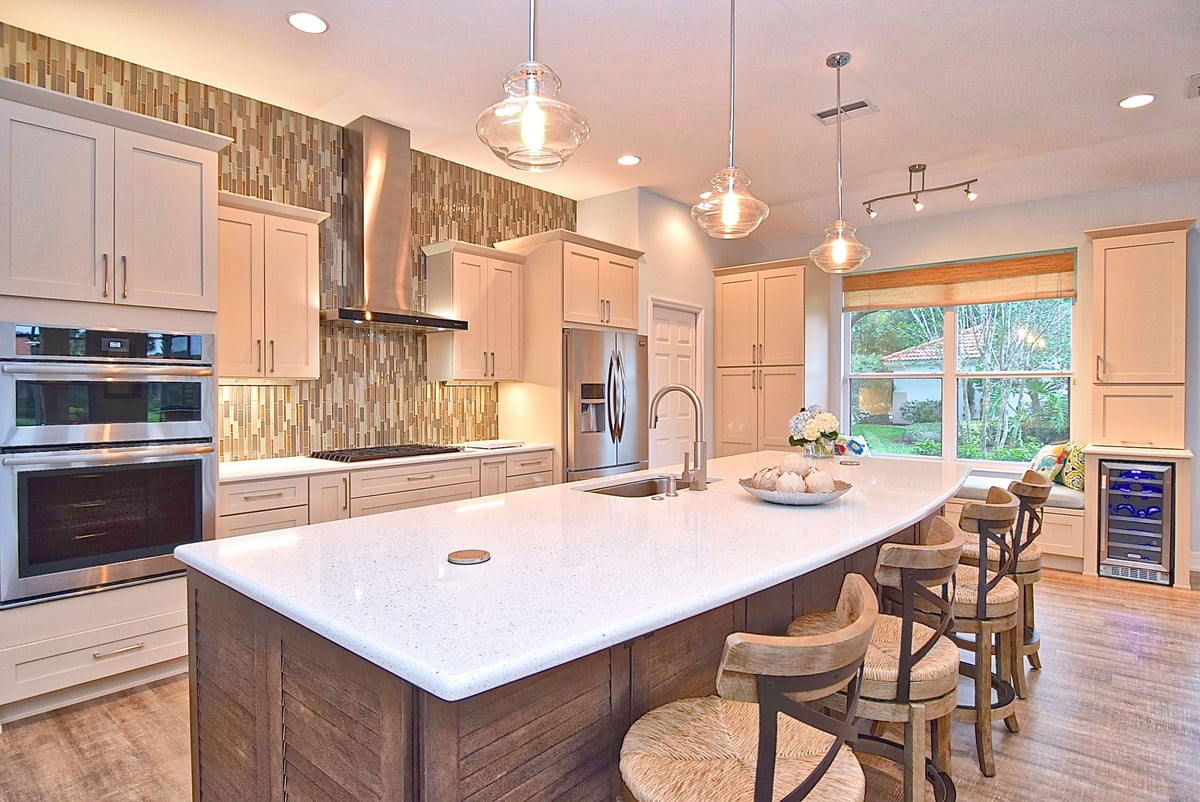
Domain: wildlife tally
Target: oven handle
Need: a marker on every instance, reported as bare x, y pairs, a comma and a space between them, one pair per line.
104, 370
105, 457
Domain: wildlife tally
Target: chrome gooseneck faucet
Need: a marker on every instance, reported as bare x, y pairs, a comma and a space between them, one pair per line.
695, 478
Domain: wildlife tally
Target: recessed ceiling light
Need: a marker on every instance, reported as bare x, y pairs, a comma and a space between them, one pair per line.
1136, 101
629, 159
307, 22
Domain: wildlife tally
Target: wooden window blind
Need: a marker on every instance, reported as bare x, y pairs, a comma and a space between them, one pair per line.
1008, 278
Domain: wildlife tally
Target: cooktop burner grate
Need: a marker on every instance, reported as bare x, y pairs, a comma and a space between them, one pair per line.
383, 452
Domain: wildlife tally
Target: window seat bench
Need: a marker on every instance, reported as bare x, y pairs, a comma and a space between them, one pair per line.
1062, 524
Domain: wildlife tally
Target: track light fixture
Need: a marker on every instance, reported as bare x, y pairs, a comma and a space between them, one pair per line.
916, 192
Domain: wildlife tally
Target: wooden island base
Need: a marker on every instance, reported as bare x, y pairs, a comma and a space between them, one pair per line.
279, 712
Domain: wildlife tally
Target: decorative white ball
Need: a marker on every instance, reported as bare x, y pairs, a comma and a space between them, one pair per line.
796, 463
818, 481
790, 482
765, 478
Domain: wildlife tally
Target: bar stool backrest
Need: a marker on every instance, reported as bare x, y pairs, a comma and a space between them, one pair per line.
1032, 490
780, 673
917, 583
992, 520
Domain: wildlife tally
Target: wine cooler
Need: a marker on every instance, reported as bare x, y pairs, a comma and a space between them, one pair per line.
1137, 520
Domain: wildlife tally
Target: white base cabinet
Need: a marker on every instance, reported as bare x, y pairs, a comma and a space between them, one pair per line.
67, 650
753, 407
328, 497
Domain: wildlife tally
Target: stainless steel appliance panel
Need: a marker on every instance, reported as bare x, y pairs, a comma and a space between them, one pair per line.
605, 395
1137, 521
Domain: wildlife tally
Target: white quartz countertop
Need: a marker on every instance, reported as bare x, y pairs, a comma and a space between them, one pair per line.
248, 470
571, 572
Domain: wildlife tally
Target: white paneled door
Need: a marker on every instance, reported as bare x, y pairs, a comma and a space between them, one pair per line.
673, 360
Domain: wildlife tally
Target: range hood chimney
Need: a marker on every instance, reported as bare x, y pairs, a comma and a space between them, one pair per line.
380, 275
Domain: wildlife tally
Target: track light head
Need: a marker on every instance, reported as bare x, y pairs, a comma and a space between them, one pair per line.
917, 205
970, 193
871, 213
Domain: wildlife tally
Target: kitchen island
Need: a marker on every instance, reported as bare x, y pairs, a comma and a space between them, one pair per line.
351, 660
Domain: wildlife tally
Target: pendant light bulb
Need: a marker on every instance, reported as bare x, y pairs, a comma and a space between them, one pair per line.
531, 129
840, 251
729, 211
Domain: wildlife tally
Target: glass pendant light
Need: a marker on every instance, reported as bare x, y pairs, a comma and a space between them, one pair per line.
531, 129
840, 252
728, 210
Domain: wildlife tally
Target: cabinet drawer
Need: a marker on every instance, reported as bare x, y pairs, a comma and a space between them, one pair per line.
527, 480
262, 494
386, 502
1138, 415
1062, 533
250, 522
519, 464
377, 481
55, 663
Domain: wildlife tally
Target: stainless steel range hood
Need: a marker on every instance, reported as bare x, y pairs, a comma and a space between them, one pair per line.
380, 275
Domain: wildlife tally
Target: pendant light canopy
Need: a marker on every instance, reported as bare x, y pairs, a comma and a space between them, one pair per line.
728, 210
841, 251
531, 129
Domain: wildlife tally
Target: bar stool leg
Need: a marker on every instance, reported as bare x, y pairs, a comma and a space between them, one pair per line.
1015, 666
942, 754
983, 701
1017, 654
1032, 640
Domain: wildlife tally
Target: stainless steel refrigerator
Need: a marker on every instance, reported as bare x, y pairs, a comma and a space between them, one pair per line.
605, 387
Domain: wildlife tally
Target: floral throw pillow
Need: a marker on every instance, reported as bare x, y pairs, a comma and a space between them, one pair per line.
1072, 472
1049, 460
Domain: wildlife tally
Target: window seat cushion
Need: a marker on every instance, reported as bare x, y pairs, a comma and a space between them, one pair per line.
981, 479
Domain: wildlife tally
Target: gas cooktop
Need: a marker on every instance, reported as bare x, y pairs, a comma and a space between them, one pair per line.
383, 452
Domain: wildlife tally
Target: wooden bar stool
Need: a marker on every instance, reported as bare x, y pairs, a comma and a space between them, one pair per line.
1031, 490
985, 607
910, 674
734, 748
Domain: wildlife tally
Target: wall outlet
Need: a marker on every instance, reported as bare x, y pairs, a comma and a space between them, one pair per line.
1194, 86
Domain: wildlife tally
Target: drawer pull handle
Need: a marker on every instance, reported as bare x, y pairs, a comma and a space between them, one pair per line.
91, 535
421, 477
530, 462
254, 496
1137, 442
84, 504
345, 493
131, 648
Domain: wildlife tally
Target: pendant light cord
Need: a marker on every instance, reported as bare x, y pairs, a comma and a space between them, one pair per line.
531, 15
732, 72
839, 141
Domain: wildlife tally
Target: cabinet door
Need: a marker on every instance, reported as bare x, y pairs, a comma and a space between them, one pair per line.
735, 339
240, 345
56, 218
1140, 309
470, 304
165, 210
504, 319
328, 497
1128, 415
493, 477
780, 396
581, 284
291, 297
736, 396
781, 316
619, 291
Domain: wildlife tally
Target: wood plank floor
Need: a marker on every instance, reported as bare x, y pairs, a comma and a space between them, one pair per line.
1114, 716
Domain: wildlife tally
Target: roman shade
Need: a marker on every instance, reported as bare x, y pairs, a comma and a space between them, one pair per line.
1050, 274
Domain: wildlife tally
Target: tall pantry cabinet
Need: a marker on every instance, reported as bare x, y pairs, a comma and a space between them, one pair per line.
758, 353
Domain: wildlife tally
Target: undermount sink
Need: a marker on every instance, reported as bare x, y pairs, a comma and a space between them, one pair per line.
639, 488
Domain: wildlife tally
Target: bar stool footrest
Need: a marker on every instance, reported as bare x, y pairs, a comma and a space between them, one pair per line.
943, 786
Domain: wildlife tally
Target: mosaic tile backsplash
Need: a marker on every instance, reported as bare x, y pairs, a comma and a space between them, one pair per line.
372, 389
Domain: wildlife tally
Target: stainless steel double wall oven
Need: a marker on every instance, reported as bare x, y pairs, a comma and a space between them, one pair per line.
107, 457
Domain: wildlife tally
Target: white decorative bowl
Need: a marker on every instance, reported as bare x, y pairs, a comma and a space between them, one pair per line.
840, 488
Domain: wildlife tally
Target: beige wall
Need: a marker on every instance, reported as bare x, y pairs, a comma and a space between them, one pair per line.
372, 389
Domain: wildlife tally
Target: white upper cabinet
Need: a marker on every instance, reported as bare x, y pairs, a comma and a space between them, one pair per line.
484, 287
268, 323
105, 205
760, 315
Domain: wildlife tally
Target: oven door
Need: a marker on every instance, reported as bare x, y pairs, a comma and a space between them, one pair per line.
47, 403
79, 519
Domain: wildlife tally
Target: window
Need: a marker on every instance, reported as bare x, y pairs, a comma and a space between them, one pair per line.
985, 374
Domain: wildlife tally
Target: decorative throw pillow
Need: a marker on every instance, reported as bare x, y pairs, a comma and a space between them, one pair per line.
1072, 472
1049, 460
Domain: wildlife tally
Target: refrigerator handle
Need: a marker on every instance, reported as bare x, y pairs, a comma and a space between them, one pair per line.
611, 392
624, 405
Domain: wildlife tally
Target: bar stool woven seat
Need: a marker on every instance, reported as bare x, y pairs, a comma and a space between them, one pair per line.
759, 740
698, 750
1028, 560
1001, 599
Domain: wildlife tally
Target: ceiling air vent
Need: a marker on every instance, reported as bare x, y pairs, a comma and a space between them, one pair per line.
850, 109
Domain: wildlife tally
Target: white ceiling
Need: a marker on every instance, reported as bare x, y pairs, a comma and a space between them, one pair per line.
1021, 95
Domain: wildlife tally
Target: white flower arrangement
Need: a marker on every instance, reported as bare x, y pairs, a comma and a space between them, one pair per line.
816, 427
